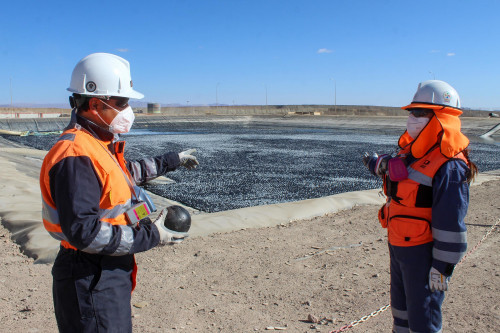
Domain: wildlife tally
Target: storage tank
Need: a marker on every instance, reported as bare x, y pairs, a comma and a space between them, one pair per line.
154, 108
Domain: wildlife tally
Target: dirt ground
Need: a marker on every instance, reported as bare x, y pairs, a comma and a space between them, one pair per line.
333, 267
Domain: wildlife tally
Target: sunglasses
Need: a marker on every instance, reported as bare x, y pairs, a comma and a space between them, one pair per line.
420, 112
120, 102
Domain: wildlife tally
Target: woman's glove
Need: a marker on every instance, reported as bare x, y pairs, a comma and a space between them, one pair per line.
437, 281
369, 161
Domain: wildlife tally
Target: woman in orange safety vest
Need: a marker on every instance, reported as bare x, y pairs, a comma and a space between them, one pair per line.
427, 189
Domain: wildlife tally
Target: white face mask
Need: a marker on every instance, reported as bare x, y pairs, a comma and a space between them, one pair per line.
123, 120
415, 125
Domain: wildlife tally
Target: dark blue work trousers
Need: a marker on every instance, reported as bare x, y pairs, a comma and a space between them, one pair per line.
414, 307
92, 292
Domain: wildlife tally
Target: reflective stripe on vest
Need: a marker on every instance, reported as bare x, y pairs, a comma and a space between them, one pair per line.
50, 214
419, 177
51, 223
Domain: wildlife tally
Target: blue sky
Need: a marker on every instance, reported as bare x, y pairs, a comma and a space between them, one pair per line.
375, 52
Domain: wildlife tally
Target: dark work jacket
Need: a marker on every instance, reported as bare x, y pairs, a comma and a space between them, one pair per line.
76, 190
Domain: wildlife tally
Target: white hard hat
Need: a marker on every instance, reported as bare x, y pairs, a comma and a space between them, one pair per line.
435, 92
103, 74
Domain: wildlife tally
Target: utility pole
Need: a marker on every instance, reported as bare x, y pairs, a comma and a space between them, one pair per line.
335, 92
266, 97
10, 92
217, 94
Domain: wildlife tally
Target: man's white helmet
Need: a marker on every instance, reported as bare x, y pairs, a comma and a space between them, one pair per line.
435, 92
103, 74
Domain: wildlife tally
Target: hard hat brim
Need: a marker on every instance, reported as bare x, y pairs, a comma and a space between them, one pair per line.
426, 106
135, 95
131, 94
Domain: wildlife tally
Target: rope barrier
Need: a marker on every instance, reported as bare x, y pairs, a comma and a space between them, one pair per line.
479, 243
387, 306
362, 319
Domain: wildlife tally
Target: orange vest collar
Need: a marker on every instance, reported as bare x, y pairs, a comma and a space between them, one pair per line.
443, 128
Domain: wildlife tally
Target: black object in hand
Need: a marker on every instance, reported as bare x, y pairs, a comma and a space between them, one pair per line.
178, 219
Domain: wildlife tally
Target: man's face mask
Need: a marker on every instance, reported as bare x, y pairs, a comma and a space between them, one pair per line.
414, 125
123, 120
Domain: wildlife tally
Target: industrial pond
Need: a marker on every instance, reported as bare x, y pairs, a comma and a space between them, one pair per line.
251, 164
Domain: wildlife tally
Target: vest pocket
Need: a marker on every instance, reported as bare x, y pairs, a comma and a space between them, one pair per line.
382, 216
410, 229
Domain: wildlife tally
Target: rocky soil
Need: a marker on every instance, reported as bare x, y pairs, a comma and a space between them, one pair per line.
332, 270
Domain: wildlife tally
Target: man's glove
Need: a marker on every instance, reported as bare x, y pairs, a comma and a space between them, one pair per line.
187, 160
168, 236
437, 281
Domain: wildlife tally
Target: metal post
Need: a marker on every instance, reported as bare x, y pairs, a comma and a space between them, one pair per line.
335, 92
266, 97
217, 94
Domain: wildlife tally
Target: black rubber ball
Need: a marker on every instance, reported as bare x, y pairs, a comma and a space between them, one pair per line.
178, 219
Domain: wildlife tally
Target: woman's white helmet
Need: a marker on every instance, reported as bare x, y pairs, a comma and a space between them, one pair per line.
435, 92
103, 74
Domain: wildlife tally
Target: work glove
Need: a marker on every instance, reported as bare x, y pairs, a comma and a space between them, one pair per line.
376, 164
369, 160
381, 164
437, 281
187, 160
168, 236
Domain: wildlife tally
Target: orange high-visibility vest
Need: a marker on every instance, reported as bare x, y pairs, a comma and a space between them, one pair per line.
116, 192
408, 211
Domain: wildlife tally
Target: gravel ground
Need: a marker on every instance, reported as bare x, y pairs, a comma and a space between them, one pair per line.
245, 164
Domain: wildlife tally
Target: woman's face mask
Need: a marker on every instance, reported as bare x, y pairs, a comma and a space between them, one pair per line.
123, 120
414, 125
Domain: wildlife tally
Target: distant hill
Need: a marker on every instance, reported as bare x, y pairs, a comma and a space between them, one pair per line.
175, 108
133, 103
37, 105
